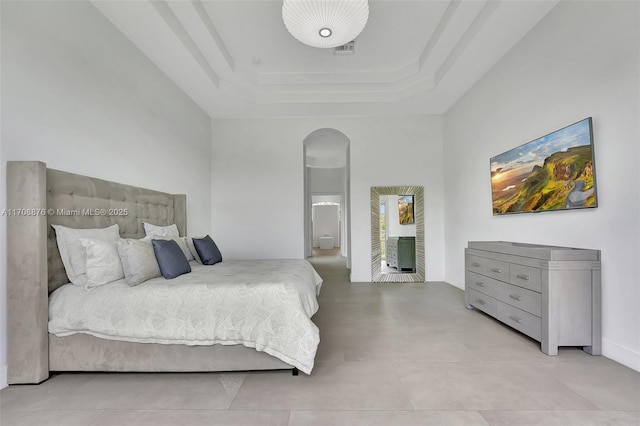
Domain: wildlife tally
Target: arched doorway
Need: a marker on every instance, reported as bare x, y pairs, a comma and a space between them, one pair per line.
327, 192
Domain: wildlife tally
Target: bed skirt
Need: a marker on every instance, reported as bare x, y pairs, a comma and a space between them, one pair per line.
83, 352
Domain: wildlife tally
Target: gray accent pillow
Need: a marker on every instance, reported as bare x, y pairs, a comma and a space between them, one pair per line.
170, 258
207, 250
138, 261
181, 243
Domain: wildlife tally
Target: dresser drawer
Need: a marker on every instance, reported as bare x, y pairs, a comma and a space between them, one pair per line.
488, 267
520, 320
521, 298
483, 284
497, 269
526, 276
483, 302
475, 264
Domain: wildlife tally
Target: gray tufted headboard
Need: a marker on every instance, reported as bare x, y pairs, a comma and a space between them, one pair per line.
38, 197
84, 202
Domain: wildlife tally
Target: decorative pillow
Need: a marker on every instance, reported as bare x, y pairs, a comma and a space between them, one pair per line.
181, 243
164, 231
207, 250
103, 264
192, 249
170, 258
188, 254
73, 254
138, 261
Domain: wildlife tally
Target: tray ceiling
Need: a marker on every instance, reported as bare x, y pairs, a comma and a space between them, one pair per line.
236, 59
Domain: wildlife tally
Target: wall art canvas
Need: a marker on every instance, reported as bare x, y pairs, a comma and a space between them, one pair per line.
554, 172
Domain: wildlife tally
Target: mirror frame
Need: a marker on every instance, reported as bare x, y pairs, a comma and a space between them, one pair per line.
418, 211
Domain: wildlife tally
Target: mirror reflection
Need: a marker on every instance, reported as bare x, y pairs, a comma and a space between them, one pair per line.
397, 234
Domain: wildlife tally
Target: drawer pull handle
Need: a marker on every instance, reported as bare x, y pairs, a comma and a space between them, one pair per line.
516, 319
476, 264
523, 277
479, 283
480, 302
497, 270
515, 297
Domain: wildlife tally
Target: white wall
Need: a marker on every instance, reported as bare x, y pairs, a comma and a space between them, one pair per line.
326, 181
257, 183
326, 222
79, 96
580, 61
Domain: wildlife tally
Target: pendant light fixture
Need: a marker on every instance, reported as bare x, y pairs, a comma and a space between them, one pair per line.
325, 23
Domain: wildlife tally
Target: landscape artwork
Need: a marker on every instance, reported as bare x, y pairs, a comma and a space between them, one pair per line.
554, 172
405, 209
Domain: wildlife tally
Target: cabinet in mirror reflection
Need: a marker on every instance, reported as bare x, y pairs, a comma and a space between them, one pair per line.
397, 234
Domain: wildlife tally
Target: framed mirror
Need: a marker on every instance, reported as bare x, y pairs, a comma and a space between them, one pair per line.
399, 196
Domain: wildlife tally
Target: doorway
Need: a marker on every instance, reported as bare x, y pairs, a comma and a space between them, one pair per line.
326, 219
327, 194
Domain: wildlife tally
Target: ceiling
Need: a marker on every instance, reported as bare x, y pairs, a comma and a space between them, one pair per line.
236, 59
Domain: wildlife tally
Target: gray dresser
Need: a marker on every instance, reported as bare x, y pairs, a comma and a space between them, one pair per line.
401, 253
549, 293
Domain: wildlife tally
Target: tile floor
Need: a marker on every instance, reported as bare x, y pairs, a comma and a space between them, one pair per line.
390, 354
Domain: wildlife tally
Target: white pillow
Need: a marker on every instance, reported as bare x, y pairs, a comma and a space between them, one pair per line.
187, 252
163, 231
103, 263
138, 260
74, 256
192, 249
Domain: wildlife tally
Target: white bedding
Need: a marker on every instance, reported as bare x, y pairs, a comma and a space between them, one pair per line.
263, 304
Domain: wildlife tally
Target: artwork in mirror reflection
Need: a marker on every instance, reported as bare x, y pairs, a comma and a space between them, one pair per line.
397, 246
405, 209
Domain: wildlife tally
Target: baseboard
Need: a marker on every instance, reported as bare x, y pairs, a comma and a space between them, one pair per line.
3, 377
620, 354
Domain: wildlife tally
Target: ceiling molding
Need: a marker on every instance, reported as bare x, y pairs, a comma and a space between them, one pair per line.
324, 96
365, 77
250, 89
437, 34
225, 72
183, 35
481, 19
213, 32
170, 11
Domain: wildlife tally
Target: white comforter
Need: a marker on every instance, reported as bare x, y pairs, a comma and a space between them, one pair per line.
263, 304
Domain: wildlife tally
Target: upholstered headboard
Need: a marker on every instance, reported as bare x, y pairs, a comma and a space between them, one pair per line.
38, 197
84, 202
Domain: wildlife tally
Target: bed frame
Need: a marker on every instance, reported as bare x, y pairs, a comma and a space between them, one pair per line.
38, 197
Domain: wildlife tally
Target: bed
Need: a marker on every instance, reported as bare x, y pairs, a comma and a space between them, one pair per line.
38, 197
